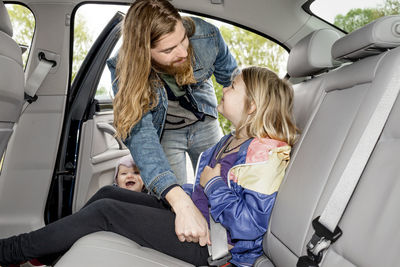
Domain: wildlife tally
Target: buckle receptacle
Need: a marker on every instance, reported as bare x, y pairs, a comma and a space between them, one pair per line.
220, 261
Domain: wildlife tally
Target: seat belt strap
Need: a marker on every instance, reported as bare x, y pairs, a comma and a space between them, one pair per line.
341, 195
219, 252
37, 77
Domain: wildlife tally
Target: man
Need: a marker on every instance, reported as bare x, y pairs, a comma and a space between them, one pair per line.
163, 89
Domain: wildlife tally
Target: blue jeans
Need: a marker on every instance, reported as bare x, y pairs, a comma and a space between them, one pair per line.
192, 139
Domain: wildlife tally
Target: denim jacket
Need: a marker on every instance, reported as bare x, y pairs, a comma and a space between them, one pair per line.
211, 56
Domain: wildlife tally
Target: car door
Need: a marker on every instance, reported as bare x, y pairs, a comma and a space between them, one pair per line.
88, 150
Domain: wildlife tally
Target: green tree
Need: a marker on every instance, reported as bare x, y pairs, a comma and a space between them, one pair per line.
23, 24
356, 18
83, 40
249, 49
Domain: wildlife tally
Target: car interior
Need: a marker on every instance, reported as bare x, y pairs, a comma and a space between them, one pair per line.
57, 145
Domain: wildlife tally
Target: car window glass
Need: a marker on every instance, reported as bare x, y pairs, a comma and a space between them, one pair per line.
247, 47
351, 15
23, 23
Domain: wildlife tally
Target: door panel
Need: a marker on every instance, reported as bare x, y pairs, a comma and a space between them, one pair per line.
88, 150
98, 155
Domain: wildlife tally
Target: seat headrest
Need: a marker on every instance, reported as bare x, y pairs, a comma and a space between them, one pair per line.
312, 54
5, 23
372, 39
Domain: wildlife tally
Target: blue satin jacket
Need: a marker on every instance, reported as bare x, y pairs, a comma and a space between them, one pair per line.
244, 204
212, 56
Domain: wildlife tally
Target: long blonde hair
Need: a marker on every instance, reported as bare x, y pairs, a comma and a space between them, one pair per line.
145, 22
273, 100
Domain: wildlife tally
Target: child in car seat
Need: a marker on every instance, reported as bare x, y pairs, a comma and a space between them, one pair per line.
236, 182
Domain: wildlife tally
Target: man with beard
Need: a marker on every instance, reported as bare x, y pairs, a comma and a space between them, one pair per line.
163, 91
162, 84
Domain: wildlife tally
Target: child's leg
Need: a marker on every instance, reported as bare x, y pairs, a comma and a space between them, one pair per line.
150, 227
116, 193
155, 228
126, 195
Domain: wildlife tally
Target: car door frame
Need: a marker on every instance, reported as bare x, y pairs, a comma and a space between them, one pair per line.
81, 107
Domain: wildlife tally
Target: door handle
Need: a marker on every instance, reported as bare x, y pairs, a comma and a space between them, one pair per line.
109, 129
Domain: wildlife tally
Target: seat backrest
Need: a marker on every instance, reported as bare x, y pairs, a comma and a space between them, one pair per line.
348, 96
11, 79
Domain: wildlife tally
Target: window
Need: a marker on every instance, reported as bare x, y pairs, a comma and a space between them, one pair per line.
247, 47
23, 23
90, 20
351, 15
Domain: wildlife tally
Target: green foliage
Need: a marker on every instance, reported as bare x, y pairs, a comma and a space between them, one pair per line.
82, 43
251, 49
102, 91
391, 7
225, 124
356, 18
23, 24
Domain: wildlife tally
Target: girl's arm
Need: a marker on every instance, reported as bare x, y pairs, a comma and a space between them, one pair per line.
245, 213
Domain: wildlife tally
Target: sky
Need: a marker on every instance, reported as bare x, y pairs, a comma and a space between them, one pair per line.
328, 9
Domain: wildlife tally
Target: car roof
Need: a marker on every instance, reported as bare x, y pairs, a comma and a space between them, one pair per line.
285, 21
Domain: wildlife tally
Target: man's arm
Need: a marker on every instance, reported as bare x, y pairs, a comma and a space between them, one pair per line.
190, 224
145, 147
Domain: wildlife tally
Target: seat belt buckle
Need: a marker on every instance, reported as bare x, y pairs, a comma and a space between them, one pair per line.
320, 241
220, 261
322, 231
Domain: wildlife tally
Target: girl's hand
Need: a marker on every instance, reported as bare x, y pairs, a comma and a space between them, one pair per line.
209, 173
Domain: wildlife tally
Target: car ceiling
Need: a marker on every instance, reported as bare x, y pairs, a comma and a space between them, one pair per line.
283, 20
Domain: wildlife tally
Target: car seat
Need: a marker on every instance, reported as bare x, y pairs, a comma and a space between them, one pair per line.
11, 79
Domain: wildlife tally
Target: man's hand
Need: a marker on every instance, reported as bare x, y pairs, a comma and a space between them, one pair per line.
190, 224
209, 173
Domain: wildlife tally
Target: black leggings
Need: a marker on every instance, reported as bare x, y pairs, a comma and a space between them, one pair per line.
138, 216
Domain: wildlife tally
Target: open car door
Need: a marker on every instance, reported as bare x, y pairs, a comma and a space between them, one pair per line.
88, 149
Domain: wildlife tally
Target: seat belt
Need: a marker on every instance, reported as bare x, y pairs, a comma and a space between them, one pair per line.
326, 226
37, 77
219, 252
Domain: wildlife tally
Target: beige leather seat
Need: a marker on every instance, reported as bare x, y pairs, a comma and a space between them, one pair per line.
11, 79
342, 105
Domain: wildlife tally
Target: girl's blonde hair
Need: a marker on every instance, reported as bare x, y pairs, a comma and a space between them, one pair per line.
145, 22
273, 99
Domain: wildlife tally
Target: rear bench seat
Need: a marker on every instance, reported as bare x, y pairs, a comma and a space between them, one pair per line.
371, 223
332, 110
